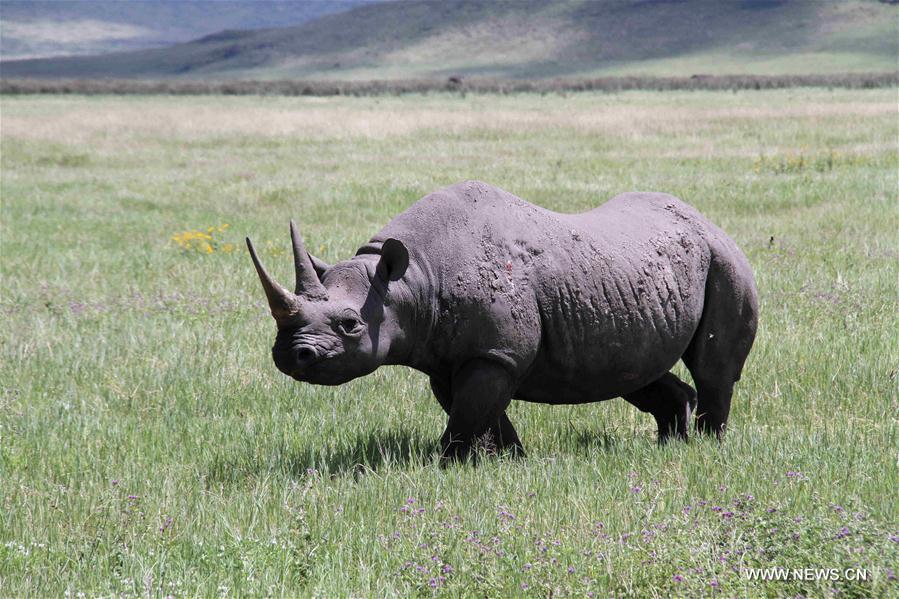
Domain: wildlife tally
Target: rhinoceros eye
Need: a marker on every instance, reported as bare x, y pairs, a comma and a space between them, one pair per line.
349, 324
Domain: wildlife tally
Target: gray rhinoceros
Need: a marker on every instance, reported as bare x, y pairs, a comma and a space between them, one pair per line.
497, 299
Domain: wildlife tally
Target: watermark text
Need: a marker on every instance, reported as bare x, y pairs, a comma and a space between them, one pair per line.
806, 574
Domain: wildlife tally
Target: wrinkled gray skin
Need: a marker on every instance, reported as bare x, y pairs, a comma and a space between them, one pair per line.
497, 299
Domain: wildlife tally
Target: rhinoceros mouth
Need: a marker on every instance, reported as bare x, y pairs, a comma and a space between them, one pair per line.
318, 377
303, 373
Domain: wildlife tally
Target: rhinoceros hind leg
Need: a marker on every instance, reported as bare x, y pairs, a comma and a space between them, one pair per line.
718, 351
714, 407
671, 402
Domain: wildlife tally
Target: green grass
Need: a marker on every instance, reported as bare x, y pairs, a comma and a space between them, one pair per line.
148, 446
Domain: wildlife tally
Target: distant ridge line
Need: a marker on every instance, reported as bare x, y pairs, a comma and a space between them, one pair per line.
452, 84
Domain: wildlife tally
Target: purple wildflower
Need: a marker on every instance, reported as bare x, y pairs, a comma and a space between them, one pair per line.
505, 514
636, 489
165, 525
571, 569
728, 515
677, 578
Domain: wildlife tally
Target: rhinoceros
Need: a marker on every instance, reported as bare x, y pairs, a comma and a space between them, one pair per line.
496, 299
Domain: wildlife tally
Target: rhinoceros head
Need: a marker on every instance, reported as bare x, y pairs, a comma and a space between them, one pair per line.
338, 323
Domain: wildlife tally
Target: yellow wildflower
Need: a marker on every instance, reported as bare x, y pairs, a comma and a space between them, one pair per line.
204, 242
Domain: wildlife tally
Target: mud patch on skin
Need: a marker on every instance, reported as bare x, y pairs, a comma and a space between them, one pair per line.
505, 271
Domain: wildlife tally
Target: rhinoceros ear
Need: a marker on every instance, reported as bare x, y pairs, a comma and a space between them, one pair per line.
394, 260
319, 266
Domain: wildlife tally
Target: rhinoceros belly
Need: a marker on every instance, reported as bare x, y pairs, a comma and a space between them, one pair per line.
616, 326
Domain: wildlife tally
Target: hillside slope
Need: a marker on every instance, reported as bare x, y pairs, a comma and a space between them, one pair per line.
526, 38
41, 28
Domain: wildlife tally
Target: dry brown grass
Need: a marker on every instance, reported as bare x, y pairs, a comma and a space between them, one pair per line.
635, 115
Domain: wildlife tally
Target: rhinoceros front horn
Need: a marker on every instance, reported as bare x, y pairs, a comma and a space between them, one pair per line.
308, 284
282, 302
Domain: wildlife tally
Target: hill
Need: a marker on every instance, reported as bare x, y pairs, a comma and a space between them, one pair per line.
525, 39
41, 28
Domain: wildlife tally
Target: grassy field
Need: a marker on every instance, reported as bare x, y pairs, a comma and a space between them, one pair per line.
148, 445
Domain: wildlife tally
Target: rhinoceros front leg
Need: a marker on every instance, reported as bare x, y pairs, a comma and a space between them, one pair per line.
475, 400
502, 432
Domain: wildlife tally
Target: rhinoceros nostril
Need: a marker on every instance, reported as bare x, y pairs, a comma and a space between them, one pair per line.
305, 355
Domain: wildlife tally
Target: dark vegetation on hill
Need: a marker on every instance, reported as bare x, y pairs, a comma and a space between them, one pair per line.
453, 84
525, 39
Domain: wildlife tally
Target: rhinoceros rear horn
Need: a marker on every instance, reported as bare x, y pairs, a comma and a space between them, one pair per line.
308, 283
282, 302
